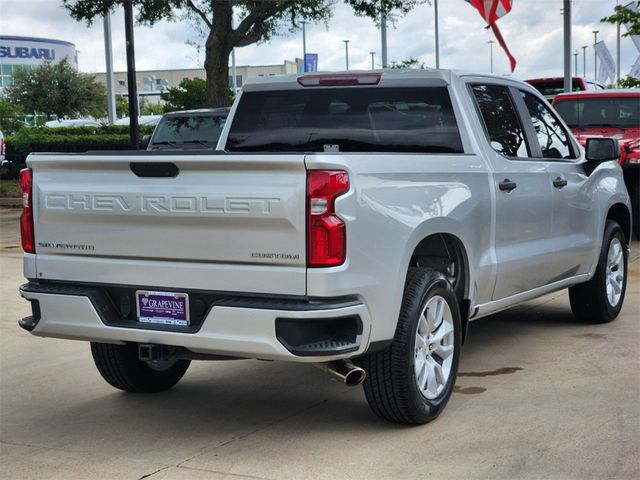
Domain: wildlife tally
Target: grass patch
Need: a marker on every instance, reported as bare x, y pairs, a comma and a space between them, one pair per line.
10, 188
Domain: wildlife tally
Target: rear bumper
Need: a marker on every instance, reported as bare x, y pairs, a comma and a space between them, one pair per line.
298, 330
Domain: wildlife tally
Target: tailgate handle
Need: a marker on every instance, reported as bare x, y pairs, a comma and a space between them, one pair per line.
154, 169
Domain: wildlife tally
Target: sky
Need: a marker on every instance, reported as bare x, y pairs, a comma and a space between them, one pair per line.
533, 32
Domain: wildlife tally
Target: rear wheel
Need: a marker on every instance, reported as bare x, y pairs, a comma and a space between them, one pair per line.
412, 380
600, 299
120, 366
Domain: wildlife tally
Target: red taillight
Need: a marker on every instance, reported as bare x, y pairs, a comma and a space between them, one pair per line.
26, 219
326, 235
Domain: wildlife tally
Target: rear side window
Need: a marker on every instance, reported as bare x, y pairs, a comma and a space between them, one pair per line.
552, 137
357, 119
501, 120
188, 129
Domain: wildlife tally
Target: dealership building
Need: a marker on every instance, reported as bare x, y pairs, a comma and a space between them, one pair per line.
150, 83
28, 52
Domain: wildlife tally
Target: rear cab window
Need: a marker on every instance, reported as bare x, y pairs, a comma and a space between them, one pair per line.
188, 129
339, 119
501, 122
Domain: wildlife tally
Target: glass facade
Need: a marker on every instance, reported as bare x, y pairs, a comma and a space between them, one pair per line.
7, 71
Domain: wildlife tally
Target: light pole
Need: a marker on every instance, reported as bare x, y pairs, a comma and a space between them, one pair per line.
435, 12
491, 42
373, 56
595, 55
304, 46
575, 56
346, 52
108, 53
584, 60
567, 45
383, 34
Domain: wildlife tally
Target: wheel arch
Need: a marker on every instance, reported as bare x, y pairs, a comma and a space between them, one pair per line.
621, 214
442, 251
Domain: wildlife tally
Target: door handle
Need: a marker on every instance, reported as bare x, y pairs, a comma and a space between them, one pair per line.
559, 182
507, 185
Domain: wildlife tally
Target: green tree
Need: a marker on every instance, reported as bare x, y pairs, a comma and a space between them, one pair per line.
629, 82
624, 15
410, 62
190, 93
122, 106
57, 89
260, 21
148, 108
11, 117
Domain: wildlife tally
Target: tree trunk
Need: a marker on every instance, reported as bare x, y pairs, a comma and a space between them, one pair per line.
217, 51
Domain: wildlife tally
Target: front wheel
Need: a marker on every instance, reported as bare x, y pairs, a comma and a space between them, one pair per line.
600, 299
412, 380
120, 366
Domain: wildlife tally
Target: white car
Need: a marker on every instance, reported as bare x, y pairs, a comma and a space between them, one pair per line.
142, 120
73, 122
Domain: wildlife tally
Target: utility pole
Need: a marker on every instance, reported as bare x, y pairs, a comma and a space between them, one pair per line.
108, 53
567, 45
346, 52
435, 12
595, 55
373, 55
617, 50
134, 134
491, 42
234, 80
584, 60
575, 56
383, 33
304, 46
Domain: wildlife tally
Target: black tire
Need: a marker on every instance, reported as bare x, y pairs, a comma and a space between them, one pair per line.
390, 386
120, 367
589, 300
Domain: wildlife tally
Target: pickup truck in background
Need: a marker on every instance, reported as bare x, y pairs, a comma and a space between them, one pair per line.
552, 86
356, 221
187, 130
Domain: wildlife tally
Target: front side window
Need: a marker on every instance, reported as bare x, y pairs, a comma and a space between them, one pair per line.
552, 137
356, 119
501, 120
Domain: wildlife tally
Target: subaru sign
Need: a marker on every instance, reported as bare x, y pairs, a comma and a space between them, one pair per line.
21, 51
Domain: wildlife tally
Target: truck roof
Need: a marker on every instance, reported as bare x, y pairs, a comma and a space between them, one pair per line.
386, 76
609, 93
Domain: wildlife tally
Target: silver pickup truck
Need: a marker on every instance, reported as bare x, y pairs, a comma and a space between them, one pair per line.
356, 221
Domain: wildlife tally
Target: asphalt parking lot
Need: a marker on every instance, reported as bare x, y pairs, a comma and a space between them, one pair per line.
539, 396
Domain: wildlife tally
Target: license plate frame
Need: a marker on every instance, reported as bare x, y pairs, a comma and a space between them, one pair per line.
162, 308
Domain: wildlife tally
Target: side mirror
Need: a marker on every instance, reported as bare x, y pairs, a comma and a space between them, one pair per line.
145, 142
600, 150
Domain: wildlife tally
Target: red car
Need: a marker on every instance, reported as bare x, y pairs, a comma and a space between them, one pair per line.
609, 113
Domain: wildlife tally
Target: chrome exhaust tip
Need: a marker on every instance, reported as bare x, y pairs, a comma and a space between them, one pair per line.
345, 370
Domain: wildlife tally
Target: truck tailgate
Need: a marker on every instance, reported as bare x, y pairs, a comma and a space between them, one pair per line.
230, 222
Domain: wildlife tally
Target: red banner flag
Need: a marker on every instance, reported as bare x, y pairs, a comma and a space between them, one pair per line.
491, 11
